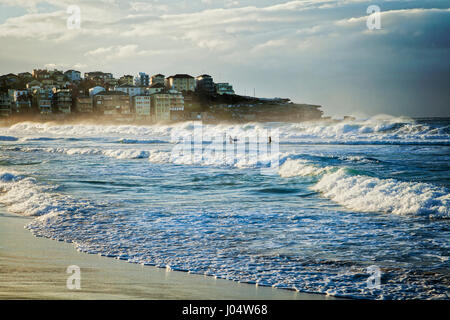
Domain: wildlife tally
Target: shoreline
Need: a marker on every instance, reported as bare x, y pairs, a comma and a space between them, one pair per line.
35, 268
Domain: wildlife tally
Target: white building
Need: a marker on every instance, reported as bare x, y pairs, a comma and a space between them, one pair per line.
142, 106
176, 100
167, 105
181, 82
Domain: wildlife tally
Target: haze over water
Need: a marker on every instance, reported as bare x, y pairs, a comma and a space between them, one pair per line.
346, 196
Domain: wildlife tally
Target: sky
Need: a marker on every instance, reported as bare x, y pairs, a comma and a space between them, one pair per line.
312, 51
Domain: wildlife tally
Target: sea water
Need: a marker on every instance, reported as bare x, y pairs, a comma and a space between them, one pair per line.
346, 198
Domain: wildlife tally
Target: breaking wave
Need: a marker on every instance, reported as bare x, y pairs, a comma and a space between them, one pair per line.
113, 153
363, 193
26, 196
137, 141
349, 188
376, 130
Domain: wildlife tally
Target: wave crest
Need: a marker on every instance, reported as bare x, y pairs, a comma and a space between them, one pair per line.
370, 194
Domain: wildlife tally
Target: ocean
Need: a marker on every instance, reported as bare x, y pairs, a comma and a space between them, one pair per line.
356, 209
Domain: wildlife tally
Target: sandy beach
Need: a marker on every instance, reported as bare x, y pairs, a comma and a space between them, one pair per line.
35, 268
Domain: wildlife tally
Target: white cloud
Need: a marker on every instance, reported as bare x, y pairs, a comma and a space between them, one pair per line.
128, 51
304, 44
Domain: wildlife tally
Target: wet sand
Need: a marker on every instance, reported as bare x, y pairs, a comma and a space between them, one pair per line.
35, 268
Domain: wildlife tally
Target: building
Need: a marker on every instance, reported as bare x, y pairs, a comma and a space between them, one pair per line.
142, 79
43, 100
98, 76
155, 88
9, 79
131, 90
181, 82
73, 75
55, 72
32, 85
5, 105
84, 104
205, 84
167, 105
62, 100
111, 83
93, 91
40, 74
224, 88
160, 106
20, 101
142, 106
58, 76
158, 78
126, 80
176, 105
49, 84
112, 103
25, 76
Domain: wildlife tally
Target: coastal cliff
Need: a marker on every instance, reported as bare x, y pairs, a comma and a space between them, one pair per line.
243, 109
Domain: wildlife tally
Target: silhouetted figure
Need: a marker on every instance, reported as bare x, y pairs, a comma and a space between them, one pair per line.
270, 139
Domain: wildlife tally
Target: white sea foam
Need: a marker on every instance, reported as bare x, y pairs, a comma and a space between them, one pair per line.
370, 194
23, 195
366, 194
159, 156
376, 130
178, 155
139, 141
127, 154
358, 192
113, 153
299, 167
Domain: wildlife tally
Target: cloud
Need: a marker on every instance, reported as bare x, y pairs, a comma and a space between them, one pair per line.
117, 52
41, 26
151, 7
304, 45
